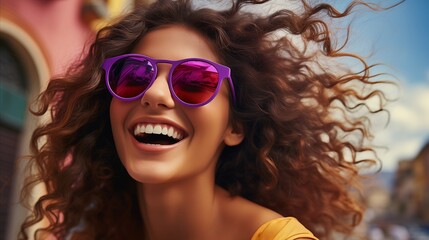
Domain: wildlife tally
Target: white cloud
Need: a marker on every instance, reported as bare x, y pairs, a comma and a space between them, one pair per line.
408, 129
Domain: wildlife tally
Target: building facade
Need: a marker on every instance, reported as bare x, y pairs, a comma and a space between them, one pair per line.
410, 194
38, 40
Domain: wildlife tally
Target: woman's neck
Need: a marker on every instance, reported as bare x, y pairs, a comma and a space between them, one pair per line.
182, 210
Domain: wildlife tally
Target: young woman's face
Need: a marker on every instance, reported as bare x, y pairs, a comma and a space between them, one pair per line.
198, 134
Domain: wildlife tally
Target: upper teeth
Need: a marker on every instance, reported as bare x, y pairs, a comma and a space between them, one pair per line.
158, 129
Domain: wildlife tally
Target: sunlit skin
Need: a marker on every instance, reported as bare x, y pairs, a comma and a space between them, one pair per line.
177, 193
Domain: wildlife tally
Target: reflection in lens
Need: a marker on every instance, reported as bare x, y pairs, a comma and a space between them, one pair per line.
195, 82
131, 76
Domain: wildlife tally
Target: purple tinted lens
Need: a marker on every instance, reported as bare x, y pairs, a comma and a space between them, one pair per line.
131, 76
195, 82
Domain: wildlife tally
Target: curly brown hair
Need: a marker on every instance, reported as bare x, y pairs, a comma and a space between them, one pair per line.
298, 157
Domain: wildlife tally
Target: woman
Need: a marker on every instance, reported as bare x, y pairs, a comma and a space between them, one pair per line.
185, 122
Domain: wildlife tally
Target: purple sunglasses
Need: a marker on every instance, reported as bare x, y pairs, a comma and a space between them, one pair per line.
193, 81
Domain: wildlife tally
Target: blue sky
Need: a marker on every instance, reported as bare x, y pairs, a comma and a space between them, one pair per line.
399, 38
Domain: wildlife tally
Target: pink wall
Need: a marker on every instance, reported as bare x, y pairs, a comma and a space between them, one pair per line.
57, 26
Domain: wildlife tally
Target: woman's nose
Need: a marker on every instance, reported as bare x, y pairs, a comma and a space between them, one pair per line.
158, 94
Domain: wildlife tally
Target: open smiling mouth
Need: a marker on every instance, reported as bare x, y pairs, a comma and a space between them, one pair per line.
157, 134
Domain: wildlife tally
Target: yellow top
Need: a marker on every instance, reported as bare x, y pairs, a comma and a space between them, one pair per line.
287, 228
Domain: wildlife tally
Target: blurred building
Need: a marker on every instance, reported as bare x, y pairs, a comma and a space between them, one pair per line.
410, 195
400, 210
38, 40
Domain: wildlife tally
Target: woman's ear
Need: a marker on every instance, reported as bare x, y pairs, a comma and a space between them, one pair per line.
234, 134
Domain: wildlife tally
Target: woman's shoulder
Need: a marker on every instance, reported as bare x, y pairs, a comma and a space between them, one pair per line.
284, 228
245, 219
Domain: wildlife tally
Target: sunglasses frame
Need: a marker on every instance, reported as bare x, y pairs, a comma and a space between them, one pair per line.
223, 72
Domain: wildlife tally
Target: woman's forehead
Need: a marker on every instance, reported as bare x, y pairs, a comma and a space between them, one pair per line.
175, 42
